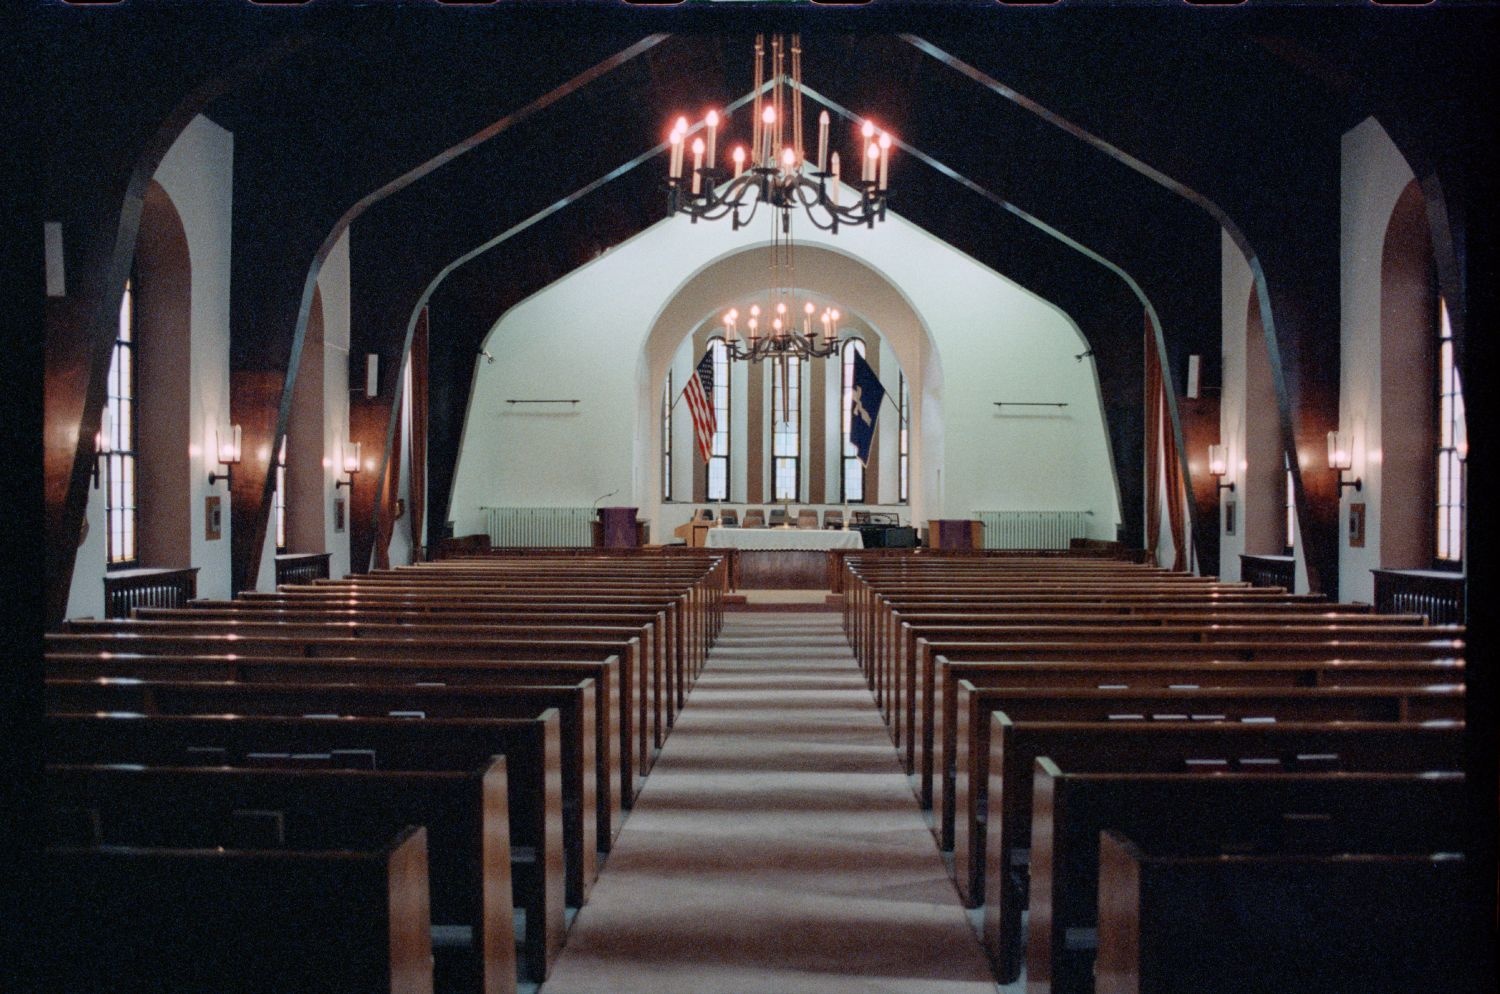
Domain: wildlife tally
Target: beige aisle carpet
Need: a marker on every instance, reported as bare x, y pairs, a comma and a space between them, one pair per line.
777, 847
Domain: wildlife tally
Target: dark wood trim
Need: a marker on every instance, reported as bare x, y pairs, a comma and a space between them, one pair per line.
1268, 571
302, 567
1438, 594
127, 589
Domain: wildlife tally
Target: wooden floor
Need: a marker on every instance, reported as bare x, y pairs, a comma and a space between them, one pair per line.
777, 847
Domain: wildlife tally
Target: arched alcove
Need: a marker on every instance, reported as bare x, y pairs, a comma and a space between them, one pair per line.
162, 289
824, 273
1408, 321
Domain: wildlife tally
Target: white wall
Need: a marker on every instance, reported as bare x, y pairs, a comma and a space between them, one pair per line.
333, 287
587, 337
1236, 281
1374, 175
197, 174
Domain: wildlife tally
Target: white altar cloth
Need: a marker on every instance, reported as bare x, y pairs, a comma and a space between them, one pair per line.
781, 538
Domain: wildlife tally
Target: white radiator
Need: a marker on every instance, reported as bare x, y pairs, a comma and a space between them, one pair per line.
539, 526
1032, 529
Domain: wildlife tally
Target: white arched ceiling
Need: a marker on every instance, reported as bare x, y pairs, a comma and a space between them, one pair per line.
826, 273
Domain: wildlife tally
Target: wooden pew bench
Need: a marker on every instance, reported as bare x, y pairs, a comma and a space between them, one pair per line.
587, 818
1171, 747
1342, 924
138, 920
960, 804
449, 661
465, 815
1241, 813
937, 689
533, 760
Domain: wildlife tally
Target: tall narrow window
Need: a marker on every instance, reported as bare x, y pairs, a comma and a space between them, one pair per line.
786, 432
119, 465
278, 499
666, 439
905, 445
718, 462
1289, 502
852, 472
1452, 448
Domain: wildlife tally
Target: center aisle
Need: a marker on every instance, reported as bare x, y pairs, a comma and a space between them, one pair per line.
777, 846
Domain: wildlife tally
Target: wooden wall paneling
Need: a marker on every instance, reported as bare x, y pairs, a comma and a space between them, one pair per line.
1200, 429
254, 405
756, 380
370, 424
816, 460
417, 504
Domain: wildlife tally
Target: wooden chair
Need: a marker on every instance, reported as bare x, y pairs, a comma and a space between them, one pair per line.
755, 518
833, 519
729, 518
778, 517
807, 518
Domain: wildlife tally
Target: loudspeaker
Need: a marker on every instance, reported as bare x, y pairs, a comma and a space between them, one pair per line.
372, 374
52, 242
1194, 362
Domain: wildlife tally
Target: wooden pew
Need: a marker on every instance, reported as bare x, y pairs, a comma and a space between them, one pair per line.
934, 738
1172, 747
1244, 813
137, 920
961, 813
451, 661
532, 749
1341, 924
465, 815
586, 821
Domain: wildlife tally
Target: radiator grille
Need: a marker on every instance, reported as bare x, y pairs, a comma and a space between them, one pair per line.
1032, 529
539, 526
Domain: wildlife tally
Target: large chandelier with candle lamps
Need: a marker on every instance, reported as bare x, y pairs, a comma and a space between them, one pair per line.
774, 170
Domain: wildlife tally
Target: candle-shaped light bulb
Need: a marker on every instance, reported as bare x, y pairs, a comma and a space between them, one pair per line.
675, 162
754, 327
872, 156
833, 188
822, 141
776, 326
781, 307
768, 120
885, 157
739, 159
755, 310
808, 308
697, 165
712, 118
788, 160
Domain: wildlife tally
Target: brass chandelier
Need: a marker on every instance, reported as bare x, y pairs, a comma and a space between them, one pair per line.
774, 169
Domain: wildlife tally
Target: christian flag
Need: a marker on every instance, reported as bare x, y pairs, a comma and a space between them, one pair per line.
864, 408
699, 393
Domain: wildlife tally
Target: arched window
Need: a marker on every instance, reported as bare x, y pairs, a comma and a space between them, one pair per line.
718, 461
904, 409
666, 438
1289, 502
1452, 449
278, 497
852, 472
786, 428
119, 432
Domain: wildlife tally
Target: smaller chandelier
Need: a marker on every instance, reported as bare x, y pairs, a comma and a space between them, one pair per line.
777, 332
773, 170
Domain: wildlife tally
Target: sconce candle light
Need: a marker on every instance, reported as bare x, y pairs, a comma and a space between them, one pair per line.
1218, 465
103, 444
227, 450
1341, 457
350, 464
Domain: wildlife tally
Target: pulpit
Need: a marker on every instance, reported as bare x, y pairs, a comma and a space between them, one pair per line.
617, 528
955, 533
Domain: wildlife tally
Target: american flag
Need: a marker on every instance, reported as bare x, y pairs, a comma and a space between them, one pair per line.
698, 391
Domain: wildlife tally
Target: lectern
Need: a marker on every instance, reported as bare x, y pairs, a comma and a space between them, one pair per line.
955, 533
617, 528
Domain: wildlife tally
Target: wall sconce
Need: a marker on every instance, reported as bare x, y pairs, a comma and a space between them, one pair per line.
227, 450
103, 444
349, 464
1341, 457
1218, 465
